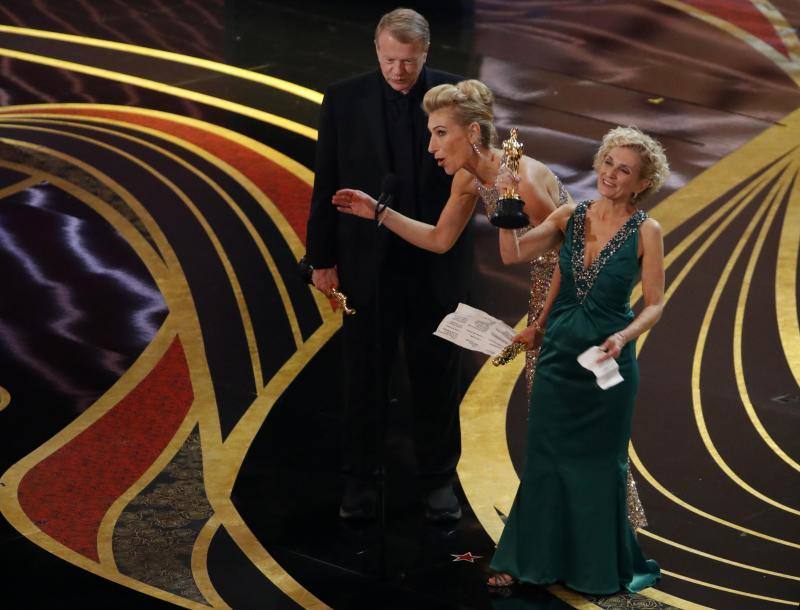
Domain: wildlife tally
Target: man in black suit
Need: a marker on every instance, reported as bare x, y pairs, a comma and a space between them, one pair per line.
373, 125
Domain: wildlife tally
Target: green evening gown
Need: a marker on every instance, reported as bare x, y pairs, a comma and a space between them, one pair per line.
569, 520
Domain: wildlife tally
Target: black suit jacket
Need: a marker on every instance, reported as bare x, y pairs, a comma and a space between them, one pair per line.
353, 152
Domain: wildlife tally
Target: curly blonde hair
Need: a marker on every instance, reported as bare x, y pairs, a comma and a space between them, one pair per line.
655, 166
471, 102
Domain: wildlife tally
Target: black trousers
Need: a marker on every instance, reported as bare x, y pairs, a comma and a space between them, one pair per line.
405, 309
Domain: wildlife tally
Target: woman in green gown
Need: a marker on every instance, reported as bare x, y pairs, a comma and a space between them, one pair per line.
569, 520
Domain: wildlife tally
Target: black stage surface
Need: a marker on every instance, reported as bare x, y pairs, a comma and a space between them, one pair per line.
169, 386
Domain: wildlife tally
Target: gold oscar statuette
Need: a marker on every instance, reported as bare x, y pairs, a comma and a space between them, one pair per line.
509, 214
306, 269
510, 351
341, 299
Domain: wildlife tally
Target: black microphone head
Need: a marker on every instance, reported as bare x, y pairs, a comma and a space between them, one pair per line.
389, 184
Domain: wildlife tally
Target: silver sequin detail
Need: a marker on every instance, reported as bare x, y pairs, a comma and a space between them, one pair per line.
584, 278
636, 515
489, 195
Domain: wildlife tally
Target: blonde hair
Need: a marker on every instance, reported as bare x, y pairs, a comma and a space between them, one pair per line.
406, 26
655, 166
471, 102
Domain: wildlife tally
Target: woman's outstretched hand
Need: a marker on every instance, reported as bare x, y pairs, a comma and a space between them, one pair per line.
357, 203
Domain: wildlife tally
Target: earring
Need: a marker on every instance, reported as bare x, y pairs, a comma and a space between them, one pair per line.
475, 148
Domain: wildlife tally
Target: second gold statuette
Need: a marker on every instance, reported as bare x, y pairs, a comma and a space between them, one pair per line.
509, 352
306, 269
341, 299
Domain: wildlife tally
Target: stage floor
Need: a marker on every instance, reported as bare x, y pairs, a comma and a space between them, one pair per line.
169, 386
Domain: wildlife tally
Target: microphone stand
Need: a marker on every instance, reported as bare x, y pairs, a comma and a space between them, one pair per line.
380, 389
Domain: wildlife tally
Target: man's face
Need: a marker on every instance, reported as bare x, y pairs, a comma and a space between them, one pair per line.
400, 62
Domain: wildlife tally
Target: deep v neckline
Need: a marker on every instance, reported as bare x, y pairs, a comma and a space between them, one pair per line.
584, 266
584, 277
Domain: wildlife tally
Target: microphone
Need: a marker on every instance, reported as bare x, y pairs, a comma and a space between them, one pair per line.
388, 190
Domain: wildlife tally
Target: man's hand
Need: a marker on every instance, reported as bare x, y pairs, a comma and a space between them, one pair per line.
326, 280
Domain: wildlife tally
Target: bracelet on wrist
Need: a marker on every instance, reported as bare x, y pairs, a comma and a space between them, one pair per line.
381, 216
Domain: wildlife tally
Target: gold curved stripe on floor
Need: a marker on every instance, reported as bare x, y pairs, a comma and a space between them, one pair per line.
576, 600
17, 187
244, 432
738, 325
174, 287
785, 31
786, 288
292, 166
484, 404
159, 269
771, 202
130, 379
211, 159
790, 66
254, 235
181, 195
241, 437
5, 398
164, 339
747, 160
151, 259
719, 220
16, 516
206, 64
228, 462
261, 558
200, 563
105, 536
671, 600
721, 223
180, 92
693, 551
710, 585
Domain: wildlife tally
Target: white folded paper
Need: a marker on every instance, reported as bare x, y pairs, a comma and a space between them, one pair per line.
476, 330
607, 372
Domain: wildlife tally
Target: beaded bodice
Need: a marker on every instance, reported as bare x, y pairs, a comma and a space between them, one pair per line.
584, 277
489, 195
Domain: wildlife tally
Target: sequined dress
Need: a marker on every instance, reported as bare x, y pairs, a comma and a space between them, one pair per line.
569, 519
541, 272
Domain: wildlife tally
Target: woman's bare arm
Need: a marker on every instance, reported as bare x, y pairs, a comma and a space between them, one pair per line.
437, 238
652, 290
538, 240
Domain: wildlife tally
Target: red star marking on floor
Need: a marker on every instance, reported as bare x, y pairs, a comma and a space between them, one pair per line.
465, 557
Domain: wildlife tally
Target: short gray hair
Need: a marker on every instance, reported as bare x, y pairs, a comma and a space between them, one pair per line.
405, 25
